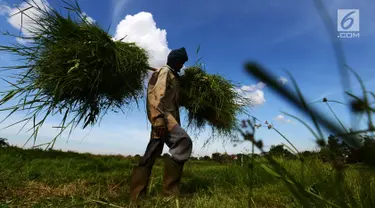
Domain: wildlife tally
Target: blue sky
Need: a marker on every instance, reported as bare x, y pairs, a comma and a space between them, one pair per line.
288, 35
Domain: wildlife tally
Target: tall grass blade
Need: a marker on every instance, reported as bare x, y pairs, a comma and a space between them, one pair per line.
286, 139
259, 72
337, 118
304, 104
304, 123
365, 97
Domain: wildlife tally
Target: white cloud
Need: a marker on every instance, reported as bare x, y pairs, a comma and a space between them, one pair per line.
282, 119
250, 88
256, 97
22, 41
253, 92
88, 18
282, 80
141, 29
4, 8
26, 21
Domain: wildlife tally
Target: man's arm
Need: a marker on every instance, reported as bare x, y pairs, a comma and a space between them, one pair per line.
160, 93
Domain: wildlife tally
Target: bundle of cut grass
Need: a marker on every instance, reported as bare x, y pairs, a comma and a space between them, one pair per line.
210, 99
74, 67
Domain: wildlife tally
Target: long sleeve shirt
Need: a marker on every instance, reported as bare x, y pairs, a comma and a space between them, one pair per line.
163, 99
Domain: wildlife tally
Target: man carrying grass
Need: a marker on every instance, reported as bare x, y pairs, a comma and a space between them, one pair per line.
163, 114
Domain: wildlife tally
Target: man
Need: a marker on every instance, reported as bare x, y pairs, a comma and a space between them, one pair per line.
163, 114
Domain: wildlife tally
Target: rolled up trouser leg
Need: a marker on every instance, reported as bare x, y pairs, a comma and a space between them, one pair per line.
180, 146
141, 174
153, 151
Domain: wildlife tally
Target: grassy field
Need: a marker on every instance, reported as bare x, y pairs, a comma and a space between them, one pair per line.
37, 178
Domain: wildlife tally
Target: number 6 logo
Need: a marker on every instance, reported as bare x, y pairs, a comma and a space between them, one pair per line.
347, 20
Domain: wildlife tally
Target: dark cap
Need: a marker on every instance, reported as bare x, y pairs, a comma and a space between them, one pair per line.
178, 55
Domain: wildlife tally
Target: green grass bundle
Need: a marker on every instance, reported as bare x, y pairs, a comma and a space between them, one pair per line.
210, 99
74, 67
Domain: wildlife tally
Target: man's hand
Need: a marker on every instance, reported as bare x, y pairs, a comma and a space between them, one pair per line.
152, 69
160, 127
160, 131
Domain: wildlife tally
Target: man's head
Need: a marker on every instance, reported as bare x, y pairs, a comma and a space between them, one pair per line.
177, 58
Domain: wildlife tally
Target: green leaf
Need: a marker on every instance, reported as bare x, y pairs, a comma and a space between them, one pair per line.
11, 113
311, 191
14, 85
286, 139
337, 118
353, 96
20, 121
9, 96
75, 66
198, 49
373, 94
273, 173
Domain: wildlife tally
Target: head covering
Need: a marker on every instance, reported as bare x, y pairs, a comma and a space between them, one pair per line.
178, 54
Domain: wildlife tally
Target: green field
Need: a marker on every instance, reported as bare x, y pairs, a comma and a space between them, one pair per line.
37, 178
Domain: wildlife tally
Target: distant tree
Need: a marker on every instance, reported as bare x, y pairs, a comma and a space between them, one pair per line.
324, 154
241, 156
364, 154
333, 143
137, 157
216, 157
3, 142
279, 150
368, 150
225, 158
308, 154
207, 158
276, 150
222, 158
338, 150
193, 158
